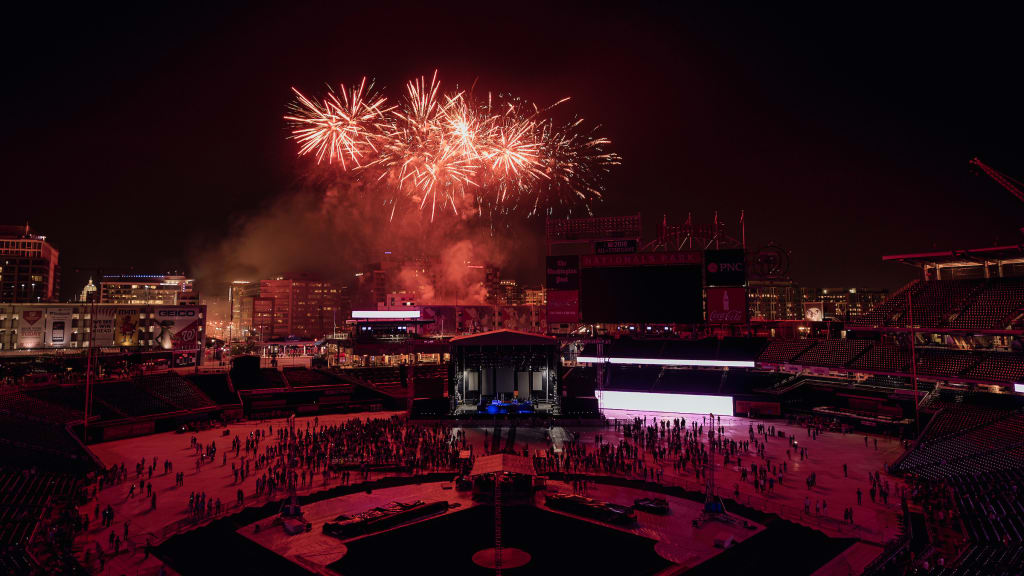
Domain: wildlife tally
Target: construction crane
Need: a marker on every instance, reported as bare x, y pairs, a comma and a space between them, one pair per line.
1003, 180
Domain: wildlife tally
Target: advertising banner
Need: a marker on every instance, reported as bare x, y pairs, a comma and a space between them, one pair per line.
727, 305
563, 306
58, 327
126, 327
562, 273
615, 247
112, 326
177, 328
101, 326
563, 289
725, 267
814, 311
31, 326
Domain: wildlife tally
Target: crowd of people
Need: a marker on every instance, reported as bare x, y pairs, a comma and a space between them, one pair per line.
645, 447
283, 456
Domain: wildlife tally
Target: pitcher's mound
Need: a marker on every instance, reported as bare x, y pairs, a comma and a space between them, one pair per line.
510, 558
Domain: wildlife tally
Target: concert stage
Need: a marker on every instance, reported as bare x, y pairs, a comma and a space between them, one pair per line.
504, 372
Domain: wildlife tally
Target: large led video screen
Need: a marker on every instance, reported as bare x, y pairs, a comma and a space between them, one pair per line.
651, 294
656, 402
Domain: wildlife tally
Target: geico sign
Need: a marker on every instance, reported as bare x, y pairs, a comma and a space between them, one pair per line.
188, 313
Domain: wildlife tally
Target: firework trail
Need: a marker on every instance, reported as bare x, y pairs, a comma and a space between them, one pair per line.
451, 153
339, 129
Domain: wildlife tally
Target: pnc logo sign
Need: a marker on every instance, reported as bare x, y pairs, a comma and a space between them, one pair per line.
725, 267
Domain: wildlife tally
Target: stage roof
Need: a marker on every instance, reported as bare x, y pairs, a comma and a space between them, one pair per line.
1010, 254
504, 338
510, 463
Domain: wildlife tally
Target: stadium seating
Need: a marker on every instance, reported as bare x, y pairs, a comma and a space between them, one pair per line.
938, 300
430, 381
24, 497
29, 442
968, 441
71, 398
940, 362
783, 351
129, 399
385, 378
215, 386
176, 391
891, 310
883, 358
998, 367
991, 506
995, 307
985, 560
959, 411
300, 377
993, 366
15, 401
832, 353
964, 304
258, 379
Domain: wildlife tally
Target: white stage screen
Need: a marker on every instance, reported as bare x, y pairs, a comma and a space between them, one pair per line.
385, 314
675, 403
668, 362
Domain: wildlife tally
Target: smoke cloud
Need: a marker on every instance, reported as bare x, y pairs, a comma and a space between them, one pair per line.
332, 231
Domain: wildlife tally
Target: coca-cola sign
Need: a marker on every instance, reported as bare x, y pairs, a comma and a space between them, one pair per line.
727, 305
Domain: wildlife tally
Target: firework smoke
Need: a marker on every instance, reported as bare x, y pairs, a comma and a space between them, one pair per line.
448, 152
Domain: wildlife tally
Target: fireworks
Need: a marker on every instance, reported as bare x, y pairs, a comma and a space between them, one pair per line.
339, 129
449, 152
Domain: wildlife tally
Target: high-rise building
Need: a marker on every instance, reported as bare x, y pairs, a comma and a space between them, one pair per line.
241, 307
400, 300
29, 270
844, 304
534, 297
263, 317
156, 289
508, 293
776, 300
785, 300
299, 307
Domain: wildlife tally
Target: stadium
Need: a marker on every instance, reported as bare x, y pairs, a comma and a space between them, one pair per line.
672, 426
660, 289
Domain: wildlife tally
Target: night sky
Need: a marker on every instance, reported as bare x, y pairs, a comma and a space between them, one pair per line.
141, 139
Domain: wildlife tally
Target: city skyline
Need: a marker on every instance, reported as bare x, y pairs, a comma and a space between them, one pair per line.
713, 112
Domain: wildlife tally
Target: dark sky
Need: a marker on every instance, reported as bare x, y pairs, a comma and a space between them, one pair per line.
138, 136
